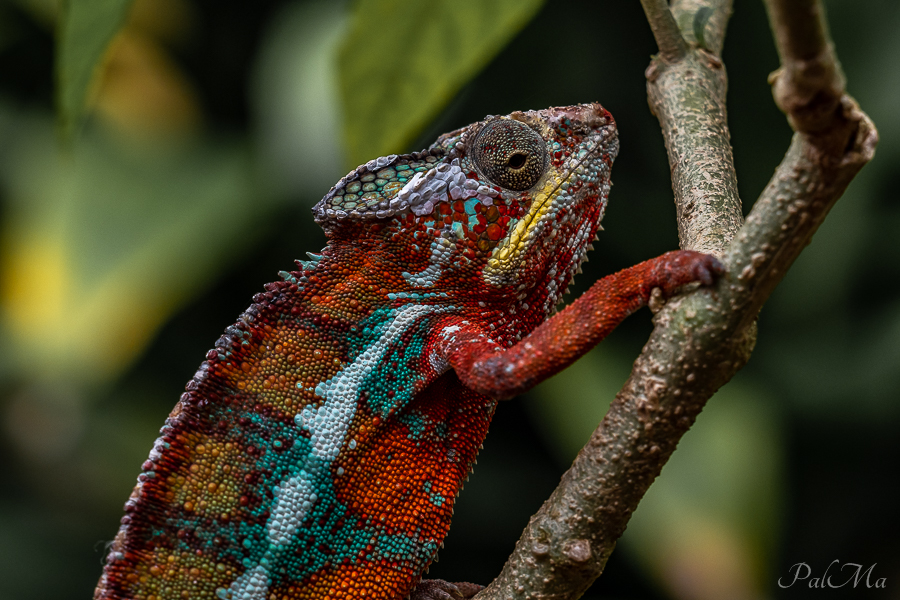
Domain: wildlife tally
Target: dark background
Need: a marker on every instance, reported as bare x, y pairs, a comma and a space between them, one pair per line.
821, 387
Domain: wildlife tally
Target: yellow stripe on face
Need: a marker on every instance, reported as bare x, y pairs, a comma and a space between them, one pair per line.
506, 256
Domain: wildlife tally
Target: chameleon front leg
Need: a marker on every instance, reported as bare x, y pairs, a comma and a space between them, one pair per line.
485, 367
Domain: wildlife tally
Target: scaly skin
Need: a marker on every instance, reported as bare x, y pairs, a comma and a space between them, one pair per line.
318, 451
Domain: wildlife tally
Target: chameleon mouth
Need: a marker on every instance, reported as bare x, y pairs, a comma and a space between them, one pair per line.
509, 253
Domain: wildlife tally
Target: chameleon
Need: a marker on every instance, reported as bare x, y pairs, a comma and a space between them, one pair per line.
318, 450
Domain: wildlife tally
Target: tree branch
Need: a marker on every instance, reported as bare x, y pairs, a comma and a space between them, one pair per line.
701, 339
688, 98
672, 46
809, 85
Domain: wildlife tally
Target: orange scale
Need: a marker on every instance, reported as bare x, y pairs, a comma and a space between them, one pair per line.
347, 581
392, 492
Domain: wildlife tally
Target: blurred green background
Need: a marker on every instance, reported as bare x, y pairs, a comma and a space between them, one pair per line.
213, 126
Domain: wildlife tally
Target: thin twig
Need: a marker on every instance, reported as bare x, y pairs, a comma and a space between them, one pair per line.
700, 340
672, 46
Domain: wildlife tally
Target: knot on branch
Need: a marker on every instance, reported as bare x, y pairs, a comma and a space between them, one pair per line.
577, 551
849, 142
809, 91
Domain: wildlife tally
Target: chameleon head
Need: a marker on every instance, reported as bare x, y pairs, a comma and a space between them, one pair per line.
555, 165
489, 210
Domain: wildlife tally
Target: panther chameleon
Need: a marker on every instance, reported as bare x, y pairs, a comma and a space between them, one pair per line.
319, 449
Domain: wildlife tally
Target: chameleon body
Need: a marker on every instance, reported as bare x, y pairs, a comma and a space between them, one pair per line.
318, 450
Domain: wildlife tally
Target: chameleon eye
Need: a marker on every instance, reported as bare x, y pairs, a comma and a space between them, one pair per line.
510, 154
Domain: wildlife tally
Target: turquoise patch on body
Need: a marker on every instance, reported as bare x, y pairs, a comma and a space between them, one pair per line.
416, 422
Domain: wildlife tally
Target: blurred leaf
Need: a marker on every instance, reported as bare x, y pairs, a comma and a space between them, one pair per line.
569, 406
43, 11
84, 31
296, 101
851, 357
403, 60
101, 246
823, 277
142, 91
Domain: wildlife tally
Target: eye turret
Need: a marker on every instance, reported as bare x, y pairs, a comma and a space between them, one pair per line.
510, 154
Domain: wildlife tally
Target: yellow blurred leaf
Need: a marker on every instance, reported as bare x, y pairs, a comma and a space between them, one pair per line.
142, 91
84, 31
169, 20
101, 245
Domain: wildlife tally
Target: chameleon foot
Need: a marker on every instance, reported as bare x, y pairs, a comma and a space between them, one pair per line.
438, 589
